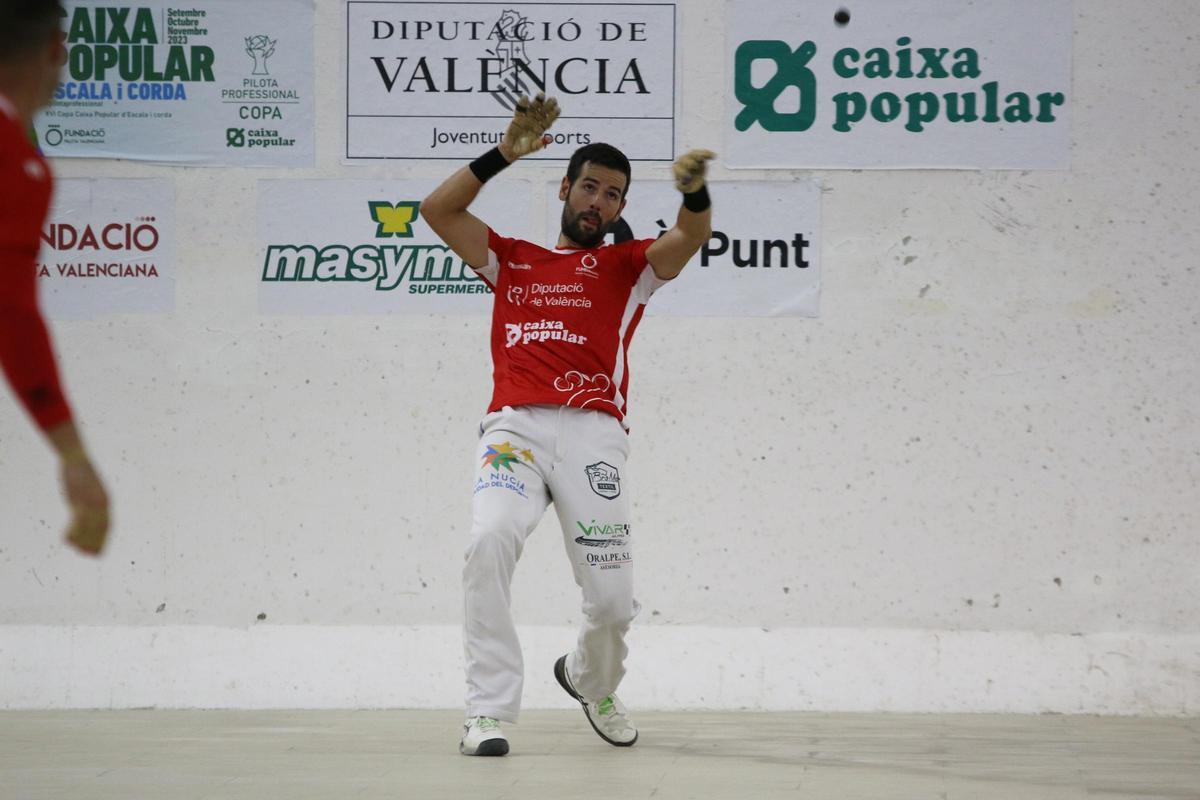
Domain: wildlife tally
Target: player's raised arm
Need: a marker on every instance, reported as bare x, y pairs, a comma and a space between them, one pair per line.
445, 209
693, 226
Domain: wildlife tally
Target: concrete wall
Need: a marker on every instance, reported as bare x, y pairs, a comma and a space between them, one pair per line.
971, 484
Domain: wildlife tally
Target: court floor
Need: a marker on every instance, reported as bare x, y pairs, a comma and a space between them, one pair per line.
229, 755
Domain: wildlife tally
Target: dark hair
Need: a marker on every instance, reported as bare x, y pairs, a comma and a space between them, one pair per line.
601, 154
26, 24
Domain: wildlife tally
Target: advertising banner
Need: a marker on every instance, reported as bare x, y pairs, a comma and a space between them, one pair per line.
763, 259
428, 80
218, 82
108, 248
925, 84
361, 247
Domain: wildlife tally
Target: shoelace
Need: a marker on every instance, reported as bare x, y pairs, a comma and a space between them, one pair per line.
486, 724
607, 707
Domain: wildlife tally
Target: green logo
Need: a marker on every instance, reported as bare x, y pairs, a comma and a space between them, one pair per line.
422, 268
791, 69
105, 44
942, 95
394, 220
604, 530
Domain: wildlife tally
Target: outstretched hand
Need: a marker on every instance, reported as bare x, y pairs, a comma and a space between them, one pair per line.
527, 132
689, 170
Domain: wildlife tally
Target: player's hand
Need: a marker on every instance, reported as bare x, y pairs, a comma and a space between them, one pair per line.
527, 131
89, 524
689, 170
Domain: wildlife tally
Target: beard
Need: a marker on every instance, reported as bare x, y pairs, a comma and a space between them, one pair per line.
573, 229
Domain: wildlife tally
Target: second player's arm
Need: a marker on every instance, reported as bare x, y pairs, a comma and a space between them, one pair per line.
27, 361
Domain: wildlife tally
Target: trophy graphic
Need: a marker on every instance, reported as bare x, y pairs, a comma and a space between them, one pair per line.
260, 48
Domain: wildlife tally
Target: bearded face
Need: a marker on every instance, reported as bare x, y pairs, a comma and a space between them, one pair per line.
592, 205
584, 228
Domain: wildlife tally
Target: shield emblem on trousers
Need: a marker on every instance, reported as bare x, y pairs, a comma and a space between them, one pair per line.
604, 478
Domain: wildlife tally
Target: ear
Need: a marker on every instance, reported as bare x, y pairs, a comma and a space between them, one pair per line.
564, 188
620, 210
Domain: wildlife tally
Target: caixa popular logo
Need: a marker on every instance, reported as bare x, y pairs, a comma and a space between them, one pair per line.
791, 69
251, 138
938, 68
604, 478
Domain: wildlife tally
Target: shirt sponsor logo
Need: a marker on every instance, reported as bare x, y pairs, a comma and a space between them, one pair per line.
555, 295
587, 266
545, 330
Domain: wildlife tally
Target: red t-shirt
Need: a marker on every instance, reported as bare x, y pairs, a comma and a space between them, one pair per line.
25, 352
562, 322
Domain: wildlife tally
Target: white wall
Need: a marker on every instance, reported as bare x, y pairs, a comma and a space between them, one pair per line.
970, 485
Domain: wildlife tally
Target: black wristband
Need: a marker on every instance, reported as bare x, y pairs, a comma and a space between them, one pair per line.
698, 200
489, 164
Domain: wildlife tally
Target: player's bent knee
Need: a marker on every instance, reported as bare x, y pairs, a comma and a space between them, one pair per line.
613, 612
498, 538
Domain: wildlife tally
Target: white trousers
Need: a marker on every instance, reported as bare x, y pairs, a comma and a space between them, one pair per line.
527, 457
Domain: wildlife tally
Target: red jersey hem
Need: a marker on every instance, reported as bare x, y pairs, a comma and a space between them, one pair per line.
605, 405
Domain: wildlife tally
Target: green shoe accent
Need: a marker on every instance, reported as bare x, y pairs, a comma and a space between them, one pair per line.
606, 706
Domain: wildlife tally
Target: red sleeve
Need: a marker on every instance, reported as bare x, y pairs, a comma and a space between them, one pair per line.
637, 257
25, 351
499, 245
499, 248
26, 356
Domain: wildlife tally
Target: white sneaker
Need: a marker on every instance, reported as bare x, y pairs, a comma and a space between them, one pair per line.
482, 737
608, 717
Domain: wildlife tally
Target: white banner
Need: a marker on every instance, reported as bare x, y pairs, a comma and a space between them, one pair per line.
927, 83
108, 248
439, 80
361, 247
212, 82
763, 259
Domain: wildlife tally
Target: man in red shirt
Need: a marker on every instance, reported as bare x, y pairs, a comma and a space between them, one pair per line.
562, 322
31, 55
